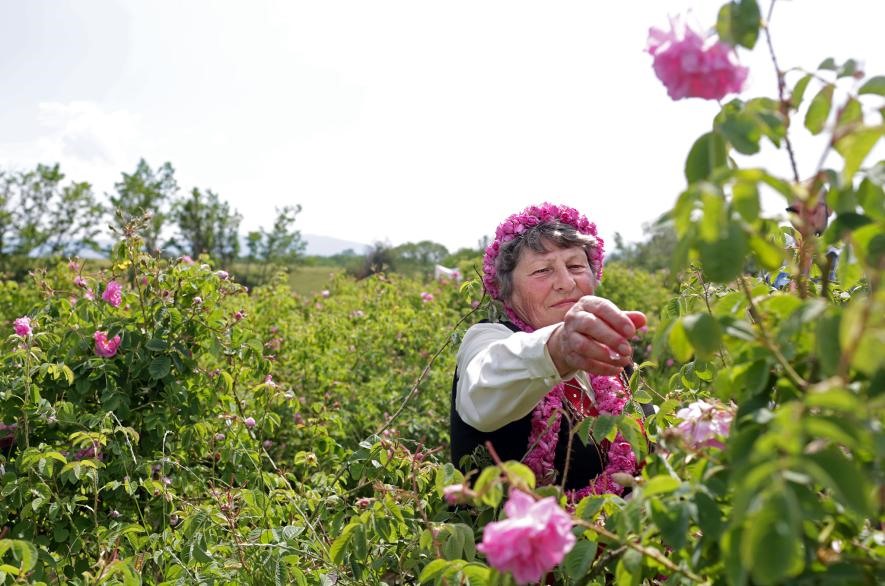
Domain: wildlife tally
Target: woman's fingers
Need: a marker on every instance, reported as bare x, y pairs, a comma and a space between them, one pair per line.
638, 318
608, 312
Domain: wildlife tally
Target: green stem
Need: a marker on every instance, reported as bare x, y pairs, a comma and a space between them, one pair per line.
791, 373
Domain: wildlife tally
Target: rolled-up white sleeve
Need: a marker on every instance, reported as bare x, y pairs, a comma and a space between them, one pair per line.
502, 375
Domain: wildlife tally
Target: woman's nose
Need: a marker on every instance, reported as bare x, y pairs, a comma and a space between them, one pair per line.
564, 281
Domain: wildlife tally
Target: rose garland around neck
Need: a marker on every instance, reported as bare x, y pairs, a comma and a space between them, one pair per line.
610, 399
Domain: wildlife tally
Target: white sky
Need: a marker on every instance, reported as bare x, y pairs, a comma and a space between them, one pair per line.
398, 121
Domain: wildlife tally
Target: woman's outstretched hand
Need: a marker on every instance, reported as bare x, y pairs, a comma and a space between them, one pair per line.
594, 337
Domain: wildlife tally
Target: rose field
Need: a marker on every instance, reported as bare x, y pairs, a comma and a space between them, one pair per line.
163, 423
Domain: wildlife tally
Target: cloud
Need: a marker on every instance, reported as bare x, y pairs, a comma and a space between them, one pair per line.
91, 142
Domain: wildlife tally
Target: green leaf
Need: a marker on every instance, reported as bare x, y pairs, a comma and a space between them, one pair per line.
828, 64
771, 544
742, 131
714, 219
159, 367
771, 257
850, 114
738, 23
433, 570
589, 507
706, 155
723, 260
855, 146
874, 85
704, 333
844, 477
745, 200
709, 516
848, 69
579, 559
156, 345
819, 110
337, 551
603, 426
673, 521
632, 432
872, 199
799, 91
660, 484
678, 342
827, 345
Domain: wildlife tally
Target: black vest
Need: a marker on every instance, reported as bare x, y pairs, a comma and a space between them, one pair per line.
511, 443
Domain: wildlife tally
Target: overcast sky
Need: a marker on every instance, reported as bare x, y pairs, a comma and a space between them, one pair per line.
397, 121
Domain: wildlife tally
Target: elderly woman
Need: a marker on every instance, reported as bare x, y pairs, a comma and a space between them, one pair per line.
523, 383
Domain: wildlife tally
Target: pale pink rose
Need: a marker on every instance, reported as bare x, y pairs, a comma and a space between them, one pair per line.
80, 282
113, 293
198, 300
89, 295
454, 493
692, 66
426, 297
670, 362
223, 275
103, 346
249, 422
186, 260
326, 293
532, 540
22, 326
703, 423
73, 266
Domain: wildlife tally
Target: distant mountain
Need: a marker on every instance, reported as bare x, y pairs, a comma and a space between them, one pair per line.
328, 246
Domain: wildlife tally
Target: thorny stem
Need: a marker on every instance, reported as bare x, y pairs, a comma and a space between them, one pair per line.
768, 343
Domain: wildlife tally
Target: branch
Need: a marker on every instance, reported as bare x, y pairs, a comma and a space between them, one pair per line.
797, 380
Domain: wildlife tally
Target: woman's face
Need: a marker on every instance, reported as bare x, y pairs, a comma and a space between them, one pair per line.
547, 284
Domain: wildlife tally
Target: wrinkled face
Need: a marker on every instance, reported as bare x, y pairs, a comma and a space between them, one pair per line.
547, 284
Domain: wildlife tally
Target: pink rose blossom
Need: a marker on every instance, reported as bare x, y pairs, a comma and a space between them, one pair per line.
89, 295
669, 362
454, 494
223, 275
22, 326
80, 282
426, 297
113, 293
73, 266
326, 293
532, 540
692, 66
703, 423
198, 300
186, 260
249, 422
103, 346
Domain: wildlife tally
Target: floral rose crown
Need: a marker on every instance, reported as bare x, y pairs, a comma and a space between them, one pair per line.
516, 224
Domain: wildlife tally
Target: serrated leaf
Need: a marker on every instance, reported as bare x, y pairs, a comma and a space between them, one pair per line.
828, 64
160, 367
738, 23
771, 544
745, 200
844, 477
579, 559
337, 551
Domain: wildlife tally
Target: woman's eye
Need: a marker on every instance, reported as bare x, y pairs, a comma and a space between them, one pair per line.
541, 271
577, 267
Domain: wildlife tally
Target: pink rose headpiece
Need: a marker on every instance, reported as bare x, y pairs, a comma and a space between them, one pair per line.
531, 216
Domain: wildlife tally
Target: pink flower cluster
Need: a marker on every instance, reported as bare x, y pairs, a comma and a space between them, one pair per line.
533, 539
103, 346
426, 297
692, 66
704, 423
22, 326
530, 217
113, 293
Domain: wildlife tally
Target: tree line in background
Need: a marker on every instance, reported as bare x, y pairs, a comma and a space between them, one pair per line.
41, 215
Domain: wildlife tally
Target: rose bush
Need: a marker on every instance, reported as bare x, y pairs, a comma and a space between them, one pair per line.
179, 429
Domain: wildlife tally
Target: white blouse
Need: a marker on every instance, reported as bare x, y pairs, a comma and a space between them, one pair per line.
502, 375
